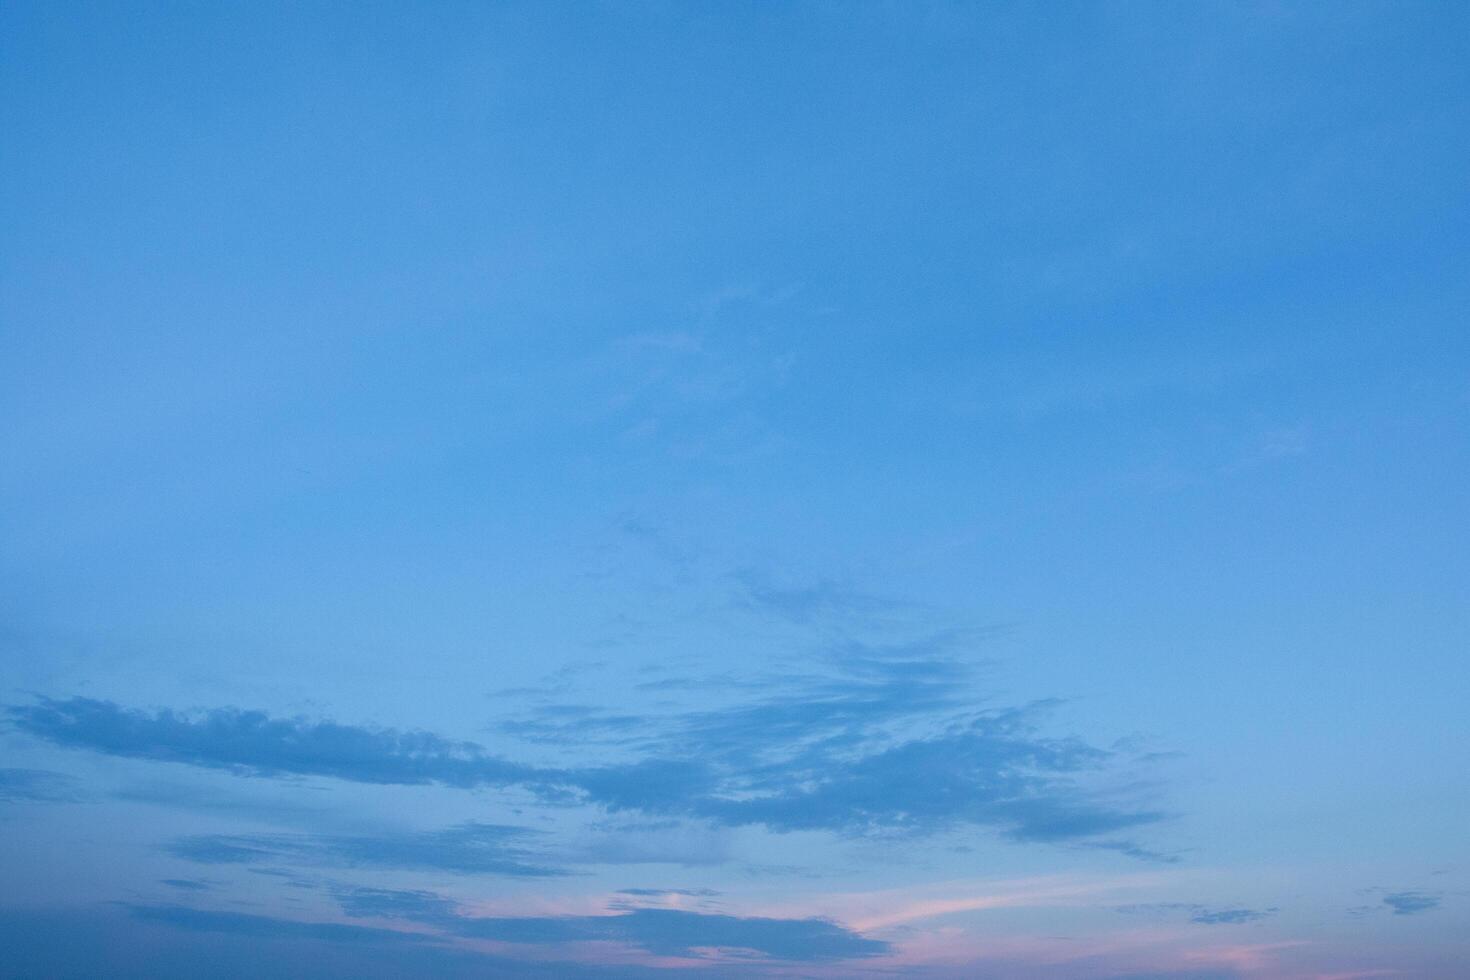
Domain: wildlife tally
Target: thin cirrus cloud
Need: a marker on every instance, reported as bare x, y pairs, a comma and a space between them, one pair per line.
242, 923
166, 940
658, 931
885, 740
1216, 917
888, 739
253, 743
808, 602
1411, 903
1200, 914
469, 848
666, 892
185, 884
1407, 902
1131, 849
387, 903
36, 786
654, 931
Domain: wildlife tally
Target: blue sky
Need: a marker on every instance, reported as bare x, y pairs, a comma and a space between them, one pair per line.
646, 490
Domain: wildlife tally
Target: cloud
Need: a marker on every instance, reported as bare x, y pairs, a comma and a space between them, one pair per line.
664, 892
1217, 917
890, 740
665, 841
383, 903
290, 879
468, 848
36, 786
884, 740
672, 932
628, 899
252, 743
1132, 850
988, 773
1400, 903
268, 927
1200, 914
167, 941
805, 603
185, 884
659, 931
1411, 903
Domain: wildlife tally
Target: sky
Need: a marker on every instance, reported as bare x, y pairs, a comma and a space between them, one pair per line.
722, 490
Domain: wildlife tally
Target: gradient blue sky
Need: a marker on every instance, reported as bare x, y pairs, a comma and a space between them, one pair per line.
726, 490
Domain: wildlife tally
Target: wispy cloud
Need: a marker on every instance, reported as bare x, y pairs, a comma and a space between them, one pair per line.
883, 740
658, 931
1215, 917
185, 884
891, 907
827, 600
663, 841
37, 786
1132, 850
702, 899
1411, 903
241, 923
253, 743
1201, 914
664, 892
673, 932
888, 740
470, 848
385, 903
169, 940
1406, 902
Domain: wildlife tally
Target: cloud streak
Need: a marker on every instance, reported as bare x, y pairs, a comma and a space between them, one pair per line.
36, 786
885, 741
261, 926
1202, 915
823, 600
658, 931
469, 848
1411, 903
1401, 903
252, 743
